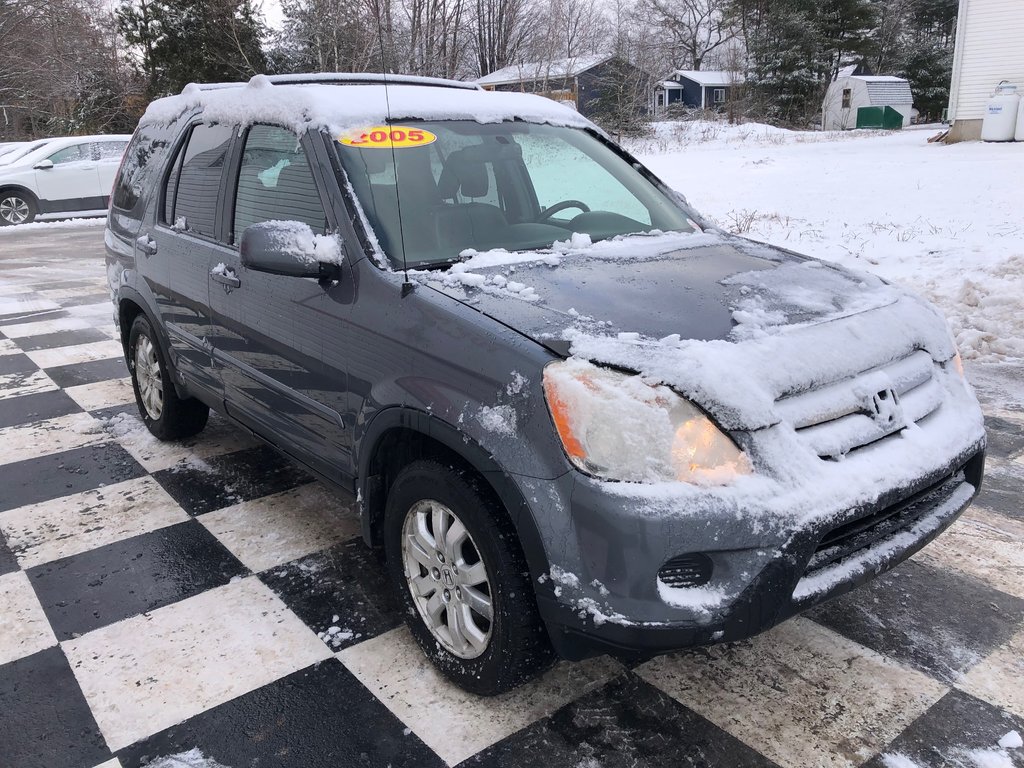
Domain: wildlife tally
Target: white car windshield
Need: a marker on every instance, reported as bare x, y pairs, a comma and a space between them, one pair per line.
512, 185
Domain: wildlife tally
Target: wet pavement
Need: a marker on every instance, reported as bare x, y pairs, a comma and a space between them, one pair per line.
210, 601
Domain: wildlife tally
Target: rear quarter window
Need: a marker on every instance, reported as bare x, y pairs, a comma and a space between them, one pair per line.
135, 180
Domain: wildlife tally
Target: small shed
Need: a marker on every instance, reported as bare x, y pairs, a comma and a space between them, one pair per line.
699, 89
860, 101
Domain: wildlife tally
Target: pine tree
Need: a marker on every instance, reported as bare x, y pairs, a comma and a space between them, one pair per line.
183, 41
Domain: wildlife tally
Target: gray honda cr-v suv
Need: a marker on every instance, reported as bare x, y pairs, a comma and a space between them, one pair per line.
576, 417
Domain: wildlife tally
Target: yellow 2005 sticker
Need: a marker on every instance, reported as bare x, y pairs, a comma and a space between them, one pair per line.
387, 136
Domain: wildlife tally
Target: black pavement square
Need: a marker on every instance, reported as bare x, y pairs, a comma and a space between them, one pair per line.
8, 562
318, 717
234, 477
1005, 437
1003, 489
86, 591
346, 581
940, 621
87, 298
953, 727
88, 373
626, 723
16, 364
61, 339
60, 474
111, 411
29, 408
33, 317
45, 721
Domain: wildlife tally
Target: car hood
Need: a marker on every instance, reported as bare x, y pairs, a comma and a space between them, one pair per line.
699, 287
733, 325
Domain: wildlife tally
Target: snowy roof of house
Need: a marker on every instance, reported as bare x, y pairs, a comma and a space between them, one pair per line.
341, 108
886, 89
708, 77
542, 70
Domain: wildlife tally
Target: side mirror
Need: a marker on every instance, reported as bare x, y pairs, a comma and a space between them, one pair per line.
291, 249
44, 165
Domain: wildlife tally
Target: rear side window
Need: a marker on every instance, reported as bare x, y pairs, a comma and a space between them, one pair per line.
109, 150
275, 182
190, 200
146, 148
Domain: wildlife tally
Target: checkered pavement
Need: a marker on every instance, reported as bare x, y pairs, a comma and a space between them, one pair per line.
161, 598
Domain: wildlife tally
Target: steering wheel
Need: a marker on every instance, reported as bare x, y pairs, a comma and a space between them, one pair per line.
557, 207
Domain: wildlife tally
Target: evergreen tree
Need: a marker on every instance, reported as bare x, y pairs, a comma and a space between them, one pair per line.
183, 41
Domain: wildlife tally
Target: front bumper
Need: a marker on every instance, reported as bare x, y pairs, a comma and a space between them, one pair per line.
779, 575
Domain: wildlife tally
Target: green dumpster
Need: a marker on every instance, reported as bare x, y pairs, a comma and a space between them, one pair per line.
879, 117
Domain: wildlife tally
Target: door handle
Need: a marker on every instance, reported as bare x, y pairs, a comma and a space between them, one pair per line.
146, 244
225, 277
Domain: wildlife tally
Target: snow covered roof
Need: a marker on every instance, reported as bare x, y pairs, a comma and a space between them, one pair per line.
542, 70
340, 107
708, 77
886, 89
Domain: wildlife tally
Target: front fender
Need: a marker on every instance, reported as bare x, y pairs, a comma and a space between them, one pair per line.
505, 485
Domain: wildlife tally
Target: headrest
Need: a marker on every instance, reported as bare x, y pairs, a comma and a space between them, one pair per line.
464, 170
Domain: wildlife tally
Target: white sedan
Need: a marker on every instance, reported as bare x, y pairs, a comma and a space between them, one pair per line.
58, 177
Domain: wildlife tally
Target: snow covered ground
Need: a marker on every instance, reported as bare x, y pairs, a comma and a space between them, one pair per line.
946, 221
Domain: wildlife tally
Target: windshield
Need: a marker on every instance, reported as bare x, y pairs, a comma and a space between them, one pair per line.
511, 185
9, 154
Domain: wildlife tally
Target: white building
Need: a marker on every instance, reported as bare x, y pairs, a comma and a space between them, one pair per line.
989, 49
848, 96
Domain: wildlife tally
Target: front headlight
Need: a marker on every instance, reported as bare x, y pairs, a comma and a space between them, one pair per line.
617, 427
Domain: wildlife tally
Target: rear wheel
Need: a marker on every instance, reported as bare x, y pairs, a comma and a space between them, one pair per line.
456, 565
17, 207
166, 415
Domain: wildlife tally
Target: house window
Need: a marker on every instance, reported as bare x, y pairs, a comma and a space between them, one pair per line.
719, 96
847, 95
661, 99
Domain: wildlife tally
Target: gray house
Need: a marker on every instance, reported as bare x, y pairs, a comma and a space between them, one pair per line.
578, 82
703, 89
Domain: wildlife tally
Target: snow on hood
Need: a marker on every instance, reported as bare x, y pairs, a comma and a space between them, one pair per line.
339, 108
731, 324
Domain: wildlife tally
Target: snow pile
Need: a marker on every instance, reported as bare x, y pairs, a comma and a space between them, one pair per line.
774, 297
295, 239
341, 109
98, 221
700, 600
962, 756
500, 419
585, 606
460, 275
194, 758
943, 220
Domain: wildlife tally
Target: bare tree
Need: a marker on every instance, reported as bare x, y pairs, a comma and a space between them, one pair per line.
503, 28
694, 29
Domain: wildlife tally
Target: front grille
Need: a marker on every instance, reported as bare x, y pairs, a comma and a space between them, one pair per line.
851, 537
692, 570
843, 416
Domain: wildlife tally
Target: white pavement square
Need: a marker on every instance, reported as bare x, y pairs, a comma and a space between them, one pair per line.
146, 673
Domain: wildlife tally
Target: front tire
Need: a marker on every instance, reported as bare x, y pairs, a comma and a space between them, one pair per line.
17, 207
166, 415
456, 566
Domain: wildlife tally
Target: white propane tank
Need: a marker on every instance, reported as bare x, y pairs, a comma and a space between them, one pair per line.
1001, 114
1019, 135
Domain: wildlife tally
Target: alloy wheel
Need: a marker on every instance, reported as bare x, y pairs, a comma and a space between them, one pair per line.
14, 210
448, 579
147, 374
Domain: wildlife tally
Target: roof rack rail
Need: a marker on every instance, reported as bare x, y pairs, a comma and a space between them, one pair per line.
368, 78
